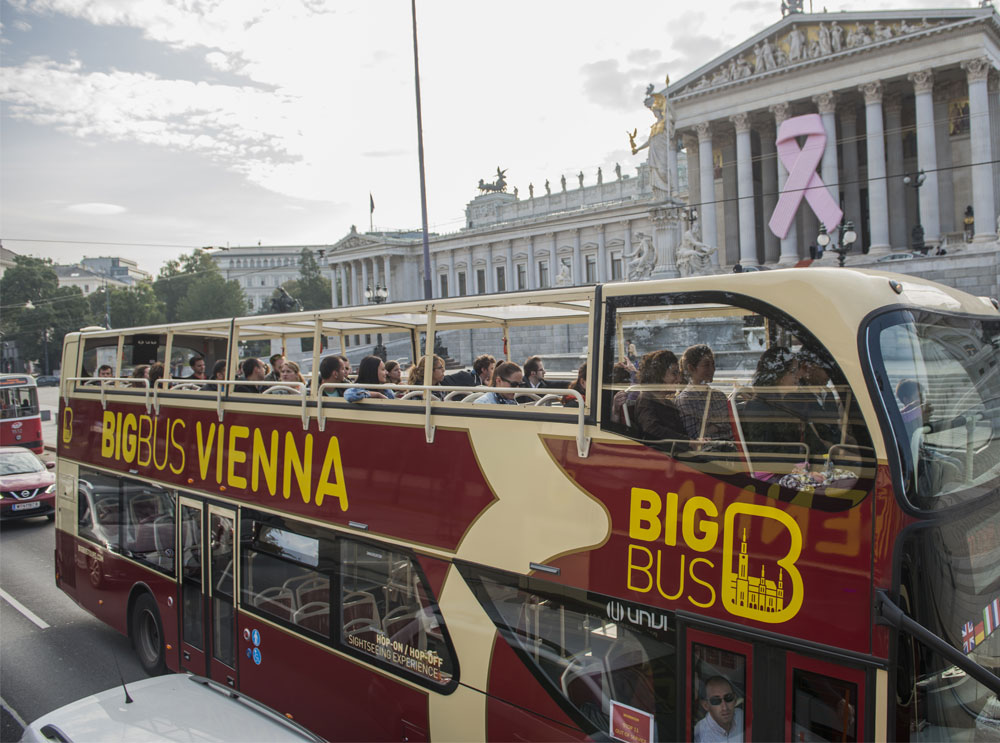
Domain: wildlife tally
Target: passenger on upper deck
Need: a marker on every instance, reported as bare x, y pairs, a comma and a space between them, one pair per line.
371, 370
506, 375
253, 371
393, 372
774, 414
820, 406
656, 414
620, 374
277, 361
104, 371
579, 385
197, 364
156, 372
347, 367
534, 373
140, 372
290, 373
332, 371
705, 411
415, 376
481, 374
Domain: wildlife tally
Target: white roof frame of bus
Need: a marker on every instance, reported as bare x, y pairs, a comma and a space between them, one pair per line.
218, 327
700, 310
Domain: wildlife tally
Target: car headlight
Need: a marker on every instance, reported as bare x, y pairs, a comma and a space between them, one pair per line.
50, 489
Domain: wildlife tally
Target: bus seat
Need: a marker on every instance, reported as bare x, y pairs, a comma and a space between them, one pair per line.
314, 616
584, 681
630, 673
362, 628
163, 535
402, 625
277, 608
294, 582
317, 588
360, 605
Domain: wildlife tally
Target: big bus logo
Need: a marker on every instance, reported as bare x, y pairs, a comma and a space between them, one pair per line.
771, 591
67, 425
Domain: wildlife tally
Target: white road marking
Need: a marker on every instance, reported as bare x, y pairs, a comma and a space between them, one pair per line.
34, 618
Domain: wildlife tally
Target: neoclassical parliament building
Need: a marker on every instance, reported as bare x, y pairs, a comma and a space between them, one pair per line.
910, 109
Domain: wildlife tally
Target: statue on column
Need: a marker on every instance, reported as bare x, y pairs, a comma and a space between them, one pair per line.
661, 134
643, 259
693, 256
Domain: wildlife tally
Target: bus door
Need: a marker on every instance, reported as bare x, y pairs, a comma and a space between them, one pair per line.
823, 701
719, 694
193, 601
221, 598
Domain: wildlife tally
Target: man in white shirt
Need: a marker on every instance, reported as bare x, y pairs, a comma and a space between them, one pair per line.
723, 720
534, 373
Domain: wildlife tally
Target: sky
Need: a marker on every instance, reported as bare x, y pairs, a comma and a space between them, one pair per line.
147, 128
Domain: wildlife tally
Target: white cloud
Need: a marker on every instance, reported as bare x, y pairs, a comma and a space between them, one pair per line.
97, 209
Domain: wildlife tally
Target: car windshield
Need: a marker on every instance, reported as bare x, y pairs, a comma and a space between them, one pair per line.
19, 462
940, 378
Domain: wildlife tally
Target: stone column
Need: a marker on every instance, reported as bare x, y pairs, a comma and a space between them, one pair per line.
993, 86
452, 274
334, 294
510, 281
744, 180
577, 259
878, 193
386, 276
347, 287
978, 71
376, 279
553, 259
364, 280
789, 243
768, 185
490, 278
923, 88
849, 149
533, 277
602, 256
706, 177
826, 104
672, 165
899, 239
730, 203
942, 138
627, 236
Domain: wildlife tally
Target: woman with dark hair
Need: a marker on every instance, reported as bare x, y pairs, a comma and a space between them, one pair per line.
621, 374
393, 372
705, 410
371, 370
140, 372
657, 416
580, 385
773, 415
156, 372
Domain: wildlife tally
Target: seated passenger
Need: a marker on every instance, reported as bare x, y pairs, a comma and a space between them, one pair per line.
657, 417
415, 376
104, 371
197, 364
290, 373
705, 411
348, 371
370, 371
774, 413
621, 374
820, 407
579, 384
277, 361
534, 373
156, 372
140, 372
507, 375
723, 720
393, 372
218, 372
253, 371
481, 373
332, 371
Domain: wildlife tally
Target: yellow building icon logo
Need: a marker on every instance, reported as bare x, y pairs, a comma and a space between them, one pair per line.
757, 594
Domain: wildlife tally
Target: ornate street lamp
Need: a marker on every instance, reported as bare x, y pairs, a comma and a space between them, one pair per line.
843, 245
915, 181
377, 295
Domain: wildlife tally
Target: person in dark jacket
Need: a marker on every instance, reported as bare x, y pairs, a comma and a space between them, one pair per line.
657, 417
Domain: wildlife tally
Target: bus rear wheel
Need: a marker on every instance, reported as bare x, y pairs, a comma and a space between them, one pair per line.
147, 635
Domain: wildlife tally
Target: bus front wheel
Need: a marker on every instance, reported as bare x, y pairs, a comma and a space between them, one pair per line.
147, 635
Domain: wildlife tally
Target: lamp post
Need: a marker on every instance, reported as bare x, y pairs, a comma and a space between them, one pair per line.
378, 295
915, 181
845, 242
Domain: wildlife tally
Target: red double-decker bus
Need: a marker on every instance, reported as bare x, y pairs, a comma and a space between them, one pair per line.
20, 417
785, 524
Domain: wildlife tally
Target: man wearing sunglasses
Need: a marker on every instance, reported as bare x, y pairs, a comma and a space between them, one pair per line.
724, 720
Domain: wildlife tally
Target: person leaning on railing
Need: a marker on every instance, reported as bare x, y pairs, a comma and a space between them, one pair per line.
370, 371
506, 375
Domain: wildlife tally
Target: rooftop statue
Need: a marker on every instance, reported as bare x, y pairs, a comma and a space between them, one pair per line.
497, 186
661, 133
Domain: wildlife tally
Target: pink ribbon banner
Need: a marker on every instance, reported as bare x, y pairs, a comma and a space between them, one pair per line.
803, 180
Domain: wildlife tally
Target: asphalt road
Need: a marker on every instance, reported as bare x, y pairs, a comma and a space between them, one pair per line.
52, 652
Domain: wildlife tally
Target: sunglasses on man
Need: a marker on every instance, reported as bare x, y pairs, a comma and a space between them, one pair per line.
717, 700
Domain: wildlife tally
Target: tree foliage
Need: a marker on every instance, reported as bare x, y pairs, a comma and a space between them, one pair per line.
311, 288
129, 306
193, 288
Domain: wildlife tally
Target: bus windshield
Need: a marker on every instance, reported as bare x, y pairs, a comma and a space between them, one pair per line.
18, 401
941, 388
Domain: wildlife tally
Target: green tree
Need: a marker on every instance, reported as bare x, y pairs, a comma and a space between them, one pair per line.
53, 311
193, 288
130, 306
311, 288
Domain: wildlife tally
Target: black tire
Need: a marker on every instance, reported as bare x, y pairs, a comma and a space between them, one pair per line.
147, 636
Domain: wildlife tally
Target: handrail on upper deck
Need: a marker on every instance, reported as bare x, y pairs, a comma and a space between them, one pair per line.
582, 440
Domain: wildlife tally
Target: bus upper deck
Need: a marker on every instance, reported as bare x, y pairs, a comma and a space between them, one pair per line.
845, 442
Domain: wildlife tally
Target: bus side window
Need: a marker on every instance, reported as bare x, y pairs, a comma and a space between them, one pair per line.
718, 684
388, 613
149, 526
823, 708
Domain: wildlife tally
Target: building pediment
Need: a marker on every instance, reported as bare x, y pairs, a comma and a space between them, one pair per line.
803, 40
355, 240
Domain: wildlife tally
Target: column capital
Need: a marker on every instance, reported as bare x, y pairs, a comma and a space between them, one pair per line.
826, 102
872, 92
781, 112
977, 69
893, 104
741, 121
704, 130
690, 141
923, 81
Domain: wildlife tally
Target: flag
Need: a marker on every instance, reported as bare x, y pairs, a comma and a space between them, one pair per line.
980, 634
991, 616
968, 637
372, 200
